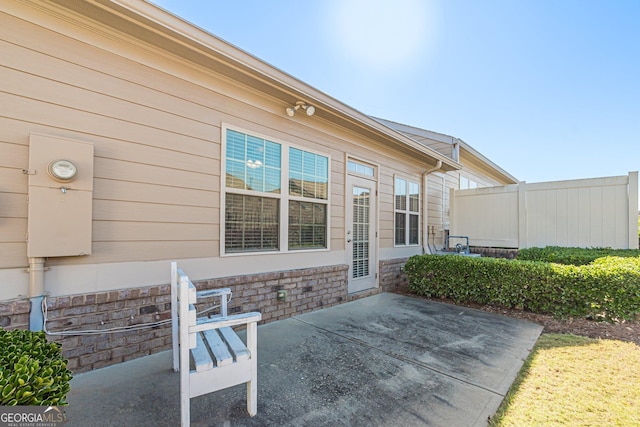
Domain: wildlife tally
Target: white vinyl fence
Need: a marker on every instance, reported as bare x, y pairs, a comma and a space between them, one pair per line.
598, 212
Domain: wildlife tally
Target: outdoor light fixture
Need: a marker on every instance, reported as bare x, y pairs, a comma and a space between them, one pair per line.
309, 109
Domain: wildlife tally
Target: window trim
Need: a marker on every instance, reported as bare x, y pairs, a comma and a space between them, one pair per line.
466, 183
407, 212
361, 162
284, 197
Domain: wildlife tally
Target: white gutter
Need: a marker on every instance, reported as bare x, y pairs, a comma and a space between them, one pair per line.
425, 206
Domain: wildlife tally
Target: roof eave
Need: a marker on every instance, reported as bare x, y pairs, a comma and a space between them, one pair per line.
506, 176
161, 28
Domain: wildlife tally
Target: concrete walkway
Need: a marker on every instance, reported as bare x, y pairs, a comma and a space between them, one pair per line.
385, 360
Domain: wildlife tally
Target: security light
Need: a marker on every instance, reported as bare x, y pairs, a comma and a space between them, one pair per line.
309, 109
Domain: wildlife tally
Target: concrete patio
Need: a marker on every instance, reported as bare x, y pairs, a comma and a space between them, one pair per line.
385, 360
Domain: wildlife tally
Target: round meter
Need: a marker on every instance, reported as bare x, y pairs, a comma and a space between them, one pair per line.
63, 170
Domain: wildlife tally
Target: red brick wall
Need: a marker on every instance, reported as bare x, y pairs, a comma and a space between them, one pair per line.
15, 314
307, 290
392, 278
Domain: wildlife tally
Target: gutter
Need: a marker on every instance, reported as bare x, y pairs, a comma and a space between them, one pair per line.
425, 205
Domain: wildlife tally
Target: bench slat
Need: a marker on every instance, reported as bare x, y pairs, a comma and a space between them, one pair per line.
204, 323
218, 348
235, 343
201, 356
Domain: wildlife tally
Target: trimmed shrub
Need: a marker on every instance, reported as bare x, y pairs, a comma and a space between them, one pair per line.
32, 370
608, 289
572, 256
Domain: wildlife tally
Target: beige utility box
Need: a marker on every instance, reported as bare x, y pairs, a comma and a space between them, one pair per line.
60, 197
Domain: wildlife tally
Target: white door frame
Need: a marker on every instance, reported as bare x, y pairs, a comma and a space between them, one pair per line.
366, 273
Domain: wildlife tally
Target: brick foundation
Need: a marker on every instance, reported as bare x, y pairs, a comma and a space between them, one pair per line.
307, 290
392, 278
15, 314
495, 252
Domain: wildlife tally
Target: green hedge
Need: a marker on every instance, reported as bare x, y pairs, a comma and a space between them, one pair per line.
32, 370
572, 256
608, 288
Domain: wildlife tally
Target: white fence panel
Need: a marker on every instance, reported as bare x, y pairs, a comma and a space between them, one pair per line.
489, 216
598, 212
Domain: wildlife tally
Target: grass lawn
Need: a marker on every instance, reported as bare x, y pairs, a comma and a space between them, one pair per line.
570, 380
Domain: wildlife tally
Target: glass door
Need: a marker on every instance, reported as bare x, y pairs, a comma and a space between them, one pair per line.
361, 234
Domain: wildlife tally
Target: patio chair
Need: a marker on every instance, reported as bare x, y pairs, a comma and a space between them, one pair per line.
220, 358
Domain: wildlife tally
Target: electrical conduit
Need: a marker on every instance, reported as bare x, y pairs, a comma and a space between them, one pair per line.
36, 293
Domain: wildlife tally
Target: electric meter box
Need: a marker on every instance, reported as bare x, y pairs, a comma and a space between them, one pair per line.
60, 197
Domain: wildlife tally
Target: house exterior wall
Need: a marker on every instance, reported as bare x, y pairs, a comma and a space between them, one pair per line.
156, 123
475, 170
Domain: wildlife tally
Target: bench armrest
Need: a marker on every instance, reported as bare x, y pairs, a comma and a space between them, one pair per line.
206, 323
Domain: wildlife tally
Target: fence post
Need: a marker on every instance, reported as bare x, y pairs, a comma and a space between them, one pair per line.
633, 210
453, 215
522, 215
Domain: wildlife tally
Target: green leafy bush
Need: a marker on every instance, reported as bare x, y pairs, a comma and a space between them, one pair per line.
609, 288
572, 256
32, 370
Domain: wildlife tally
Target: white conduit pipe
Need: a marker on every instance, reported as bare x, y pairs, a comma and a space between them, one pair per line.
36, 293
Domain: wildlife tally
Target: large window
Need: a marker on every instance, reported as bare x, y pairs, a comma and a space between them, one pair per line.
255, 197
407, 212
308, 179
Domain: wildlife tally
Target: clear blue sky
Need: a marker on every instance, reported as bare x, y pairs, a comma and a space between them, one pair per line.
547, 89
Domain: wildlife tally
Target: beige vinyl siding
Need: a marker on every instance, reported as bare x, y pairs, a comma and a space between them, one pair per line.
157, 145
436, 205
478, 171
13, 202
436, 141
441, 147
478, 177
389, 168
155, 122
156, 159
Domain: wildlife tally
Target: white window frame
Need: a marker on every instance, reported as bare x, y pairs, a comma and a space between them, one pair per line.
467, 183
284, 197
407, 212
361, 168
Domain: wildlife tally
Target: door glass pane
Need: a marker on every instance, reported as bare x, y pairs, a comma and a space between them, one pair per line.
361, 226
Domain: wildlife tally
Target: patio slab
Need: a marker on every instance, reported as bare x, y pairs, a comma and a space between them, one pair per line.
385, 360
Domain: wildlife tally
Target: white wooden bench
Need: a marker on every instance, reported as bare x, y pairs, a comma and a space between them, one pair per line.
220, 359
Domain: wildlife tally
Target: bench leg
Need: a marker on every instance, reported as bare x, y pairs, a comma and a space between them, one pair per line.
185, 408
252, 386
252, 398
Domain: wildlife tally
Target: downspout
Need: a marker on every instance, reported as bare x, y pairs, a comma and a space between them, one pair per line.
36, 293
425, 211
